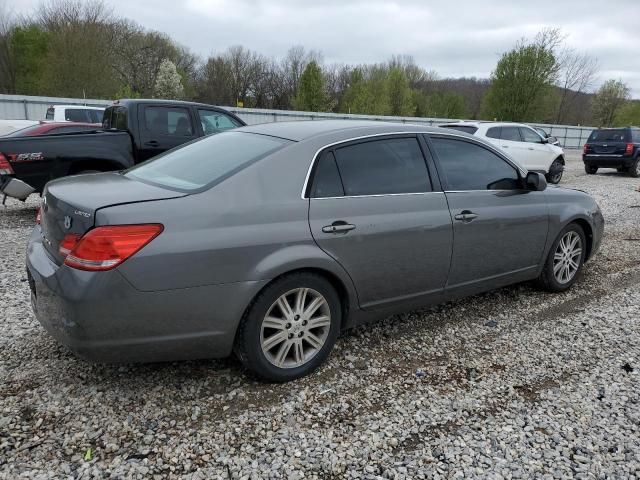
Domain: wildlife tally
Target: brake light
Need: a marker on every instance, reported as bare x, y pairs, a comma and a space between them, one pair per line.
104, 248
68, 243
38, 215
586, 148
5, 166
628, 149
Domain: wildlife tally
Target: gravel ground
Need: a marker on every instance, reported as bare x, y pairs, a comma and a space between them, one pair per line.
515, 383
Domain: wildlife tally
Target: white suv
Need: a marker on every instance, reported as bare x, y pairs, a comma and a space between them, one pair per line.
520, 142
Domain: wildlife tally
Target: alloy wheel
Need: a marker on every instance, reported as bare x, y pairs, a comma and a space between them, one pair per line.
566, 260
295, 328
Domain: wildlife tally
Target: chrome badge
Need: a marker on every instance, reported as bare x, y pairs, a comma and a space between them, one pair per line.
67, 222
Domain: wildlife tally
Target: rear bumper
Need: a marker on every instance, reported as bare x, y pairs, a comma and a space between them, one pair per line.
12, 187
102, 317
607, 161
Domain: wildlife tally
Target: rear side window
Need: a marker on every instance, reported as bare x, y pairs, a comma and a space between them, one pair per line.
467, 166
510, 133
635, 135
394, 165
494, 132
610, 135
326, 180
172, 121
115, 117
76, 115
462, 128
203, 163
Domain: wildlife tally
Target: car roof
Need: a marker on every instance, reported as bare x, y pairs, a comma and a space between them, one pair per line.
127, 101
77, 107
307, 129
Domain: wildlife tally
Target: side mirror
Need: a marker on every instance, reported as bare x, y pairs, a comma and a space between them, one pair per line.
536, 182
545, 140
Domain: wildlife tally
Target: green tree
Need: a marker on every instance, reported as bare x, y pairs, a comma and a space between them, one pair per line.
29, 46
400, 98
367, 94
629, 114
523, 76
311, 95
608, 101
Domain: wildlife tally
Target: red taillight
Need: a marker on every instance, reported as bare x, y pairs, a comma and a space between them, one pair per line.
38, 215
628, 149
5, 166
104, 248
68, 243
586, 148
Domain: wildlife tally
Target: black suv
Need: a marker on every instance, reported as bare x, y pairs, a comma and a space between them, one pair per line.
613, 148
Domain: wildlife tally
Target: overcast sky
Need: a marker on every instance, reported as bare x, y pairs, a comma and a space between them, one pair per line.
453, 37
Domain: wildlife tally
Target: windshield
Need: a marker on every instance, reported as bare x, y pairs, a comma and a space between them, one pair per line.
609, 135
203, 163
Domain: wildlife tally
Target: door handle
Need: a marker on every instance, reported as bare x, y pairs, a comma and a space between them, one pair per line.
466, 216
530, 148
339, 226
505, 146
152, 143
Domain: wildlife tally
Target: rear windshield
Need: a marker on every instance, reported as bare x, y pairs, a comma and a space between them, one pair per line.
203, 163
462, 128
610, 135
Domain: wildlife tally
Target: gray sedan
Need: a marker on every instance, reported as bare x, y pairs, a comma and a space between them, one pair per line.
269, 240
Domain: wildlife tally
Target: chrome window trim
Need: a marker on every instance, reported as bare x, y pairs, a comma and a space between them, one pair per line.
482, 143
377, 195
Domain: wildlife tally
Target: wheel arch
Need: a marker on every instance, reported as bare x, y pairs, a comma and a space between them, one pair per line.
588, 233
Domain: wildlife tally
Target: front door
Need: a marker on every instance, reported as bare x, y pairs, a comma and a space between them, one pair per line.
373, 209
499, 228
540, 152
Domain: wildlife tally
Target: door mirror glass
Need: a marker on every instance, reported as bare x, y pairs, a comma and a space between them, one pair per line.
536, 182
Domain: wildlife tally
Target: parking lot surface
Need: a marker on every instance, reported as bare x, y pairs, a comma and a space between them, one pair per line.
515, 383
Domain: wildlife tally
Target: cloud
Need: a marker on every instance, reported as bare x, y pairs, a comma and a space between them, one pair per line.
454, 38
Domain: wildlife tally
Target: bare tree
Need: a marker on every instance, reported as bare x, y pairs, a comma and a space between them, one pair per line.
576, 75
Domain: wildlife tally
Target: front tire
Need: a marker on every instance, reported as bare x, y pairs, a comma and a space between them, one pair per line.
565, 259
555, 172
290, 328
590, 170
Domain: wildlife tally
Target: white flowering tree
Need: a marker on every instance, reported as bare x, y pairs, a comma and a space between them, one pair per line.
169, 82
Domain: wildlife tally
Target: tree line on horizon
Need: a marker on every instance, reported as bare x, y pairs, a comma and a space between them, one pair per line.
75, 48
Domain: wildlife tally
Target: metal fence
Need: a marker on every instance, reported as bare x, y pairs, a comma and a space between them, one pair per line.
35, 108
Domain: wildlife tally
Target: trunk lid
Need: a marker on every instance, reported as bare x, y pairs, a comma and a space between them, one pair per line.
69, 205
609, 141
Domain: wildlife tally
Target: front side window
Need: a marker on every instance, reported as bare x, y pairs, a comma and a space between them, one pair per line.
387, 166
95, 116
205, 162
215, 122
467, 166
510, 133
50, 113
529, 135
173, 121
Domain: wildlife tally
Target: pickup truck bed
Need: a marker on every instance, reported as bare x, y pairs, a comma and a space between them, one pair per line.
133, 131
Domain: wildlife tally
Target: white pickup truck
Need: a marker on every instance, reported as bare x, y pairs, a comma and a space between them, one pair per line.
74, 113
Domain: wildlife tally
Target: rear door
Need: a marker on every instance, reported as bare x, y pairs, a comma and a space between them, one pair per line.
499, 228
373, 209
163, 127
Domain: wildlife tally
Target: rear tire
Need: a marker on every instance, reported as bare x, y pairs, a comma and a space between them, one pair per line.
290, 327
634, 169
565, 260
590, 170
